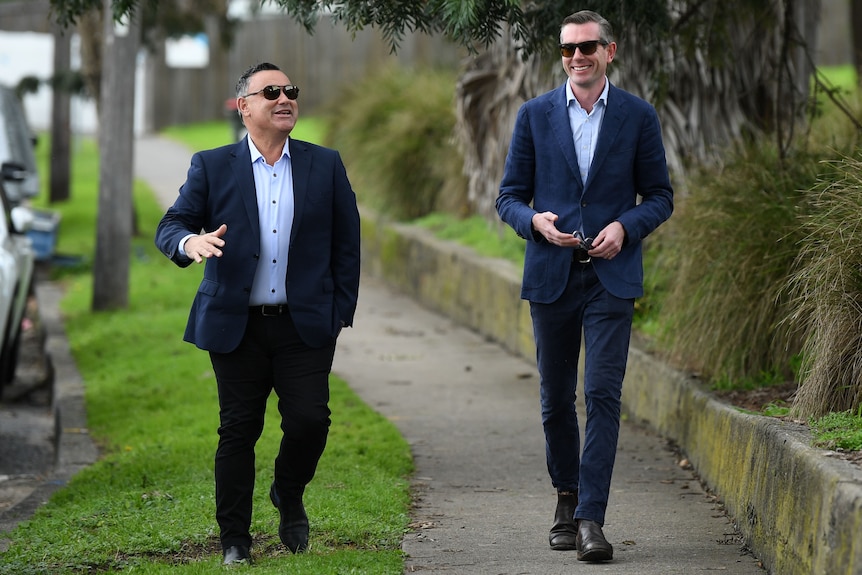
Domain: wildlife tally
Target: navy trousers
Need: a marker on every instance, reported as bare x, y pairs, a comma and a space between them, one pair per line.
605, 322
271, 356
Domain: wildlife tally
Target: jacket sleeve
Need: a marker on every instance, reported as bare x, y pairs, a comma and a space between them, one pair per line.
652, 182
345, 244
516, 188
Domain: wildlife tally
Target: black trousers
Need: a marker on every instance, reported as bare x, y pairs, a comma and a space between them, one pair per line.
270, 357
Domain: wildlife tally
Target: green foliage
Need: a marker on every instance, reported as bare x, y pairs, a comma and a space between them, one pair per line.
473, 23
759, 264
776, 409
170, 18
749, 382
147, 505
395, 134
841, 430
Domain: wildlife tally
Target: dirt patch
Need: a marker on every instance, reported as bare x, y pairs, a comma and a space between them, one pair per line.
757, 399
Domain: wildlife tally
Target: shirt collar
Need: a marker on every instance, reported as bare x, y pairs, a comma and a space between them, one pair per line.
256, 155
603, 97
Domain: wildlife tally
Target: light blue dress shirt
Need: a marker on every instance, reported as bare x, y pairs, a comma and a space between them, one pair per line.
585, 126
585, 130
275, 208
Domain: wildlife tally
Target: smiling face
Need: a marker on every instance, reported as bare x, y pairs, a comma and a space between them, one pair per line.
264, 117
586, 73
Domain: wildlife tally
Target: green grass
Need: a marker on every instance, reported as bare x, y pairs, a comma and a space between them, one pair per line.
147, 505
841, 430
206, 135
843, 77
475, 232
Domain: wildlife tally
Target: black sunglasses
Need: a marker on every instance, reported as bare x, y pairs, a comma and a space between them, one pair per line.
587, 48
273, 92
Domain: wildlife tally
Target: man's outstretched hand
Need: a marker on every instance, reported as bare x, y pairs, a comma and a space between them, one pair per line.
205, 246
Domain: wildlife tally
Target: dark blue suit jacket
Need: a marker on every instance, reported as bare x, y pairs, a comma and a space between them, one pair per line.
541, 175
322, 280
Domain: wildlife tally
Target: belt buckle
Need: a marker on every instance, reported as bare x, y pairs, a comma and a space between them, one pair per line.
581, 256
264, 308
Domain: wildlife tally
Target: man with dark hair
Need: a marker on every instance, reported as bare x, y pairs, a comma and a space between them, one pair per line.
275, 220
581, 157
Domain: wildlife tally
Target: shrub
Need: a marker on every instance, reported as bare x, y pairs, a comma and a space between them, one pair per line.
727, 253
394, 130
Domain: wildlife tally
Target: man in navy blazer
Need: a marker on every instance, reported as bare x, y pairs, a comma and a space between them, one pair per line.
585, 181
276, 221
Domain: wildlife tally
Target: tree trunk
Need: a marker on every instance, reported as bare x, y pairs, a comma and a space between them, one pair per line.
90, 29
492, 87
60, 120
116, 143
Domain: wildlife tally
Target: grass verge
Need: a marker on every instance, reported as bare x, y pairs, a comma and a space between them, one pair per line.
147, 505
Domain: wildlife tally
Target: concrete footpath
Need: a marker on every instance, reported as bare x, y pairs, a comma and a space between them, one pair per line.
470, 411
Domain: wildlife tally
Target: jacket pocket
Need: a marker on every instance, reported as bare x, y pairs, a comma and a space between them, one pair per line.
208, 287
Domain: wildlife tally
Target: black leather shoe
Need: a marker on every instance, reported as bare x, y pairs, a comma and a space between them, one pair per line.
293, 523
236, 555
564, 531
592, 545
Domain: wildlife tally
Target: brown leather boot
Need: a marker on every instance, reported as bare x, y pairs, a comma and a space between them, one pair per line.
564, 532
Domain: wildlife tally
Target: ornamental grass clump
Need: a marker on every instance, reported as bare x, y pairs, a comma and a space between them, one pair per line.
727, 252
826, 292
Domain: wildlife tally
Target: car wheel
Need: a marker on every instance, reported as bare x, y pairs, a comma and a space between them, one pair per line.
9, 355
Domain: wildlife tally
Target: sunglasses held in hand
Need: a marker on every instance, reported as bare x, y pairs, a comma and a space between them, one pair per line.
273, 92
587, 48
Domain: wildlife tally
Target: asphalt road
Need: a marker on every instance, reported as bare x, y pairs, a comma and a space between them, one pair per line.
27, 424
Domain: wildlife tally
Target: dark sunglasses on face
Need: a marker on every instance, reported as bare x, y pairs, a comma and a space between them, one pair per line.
273, 92
587, 48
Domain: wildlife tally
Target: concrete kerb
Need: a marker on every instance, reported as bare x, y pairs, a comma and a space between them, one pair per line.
799, 510
75, 448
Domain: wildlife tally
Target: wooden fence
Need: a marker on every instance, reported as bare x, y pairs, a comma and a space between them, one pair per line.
321, 64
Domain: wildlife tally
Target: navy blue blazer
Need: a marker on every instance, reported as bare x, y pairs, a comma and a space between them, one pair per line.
322, 280
542, 175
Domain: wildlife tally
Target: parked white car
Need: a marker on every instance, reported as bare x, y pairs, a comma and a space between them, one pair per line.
17, 156
17, 272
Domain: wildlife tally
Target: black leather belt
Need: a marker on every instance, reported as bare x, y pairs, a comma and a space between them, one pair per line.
269, 310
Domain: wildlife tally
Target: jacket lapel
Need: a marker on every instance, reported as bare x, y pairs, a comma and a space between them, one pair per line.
300, 166
611, 124
240, 158
558, 119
